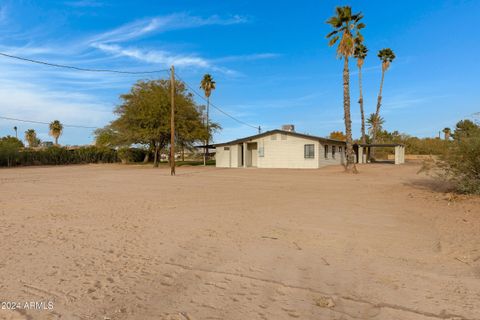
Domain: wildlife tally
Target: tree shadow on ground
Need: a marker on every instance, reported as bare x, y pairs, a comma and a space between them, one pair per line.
431, 184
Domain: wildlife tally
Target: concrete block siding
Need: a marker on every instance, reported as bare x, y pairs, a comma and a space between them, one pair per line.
279, 149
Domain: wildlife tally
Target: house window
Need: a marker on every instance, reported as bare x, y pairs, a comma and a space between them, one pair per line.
326, 152
273, 137
333, 152
261, 152
340, 150
309, 151
226, 148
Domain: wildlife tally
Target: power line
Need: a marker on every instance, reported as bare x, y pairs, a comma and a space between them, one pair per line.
47, 123
217, 108
78, 68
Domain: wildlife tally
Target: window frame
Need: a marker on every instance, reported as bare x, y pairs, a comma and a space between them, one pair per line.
325, 152
333, 152
311, 148
261, 151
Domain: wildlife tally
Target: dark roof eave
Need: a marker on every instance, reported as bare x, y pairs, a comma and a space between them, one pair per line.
295, 134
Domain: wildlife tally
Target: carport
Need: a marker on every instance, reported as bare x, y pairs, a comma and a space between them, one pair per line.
363, 151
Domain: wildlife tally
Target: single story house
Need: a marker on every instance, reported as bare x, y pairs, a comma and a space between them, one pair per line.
280, 149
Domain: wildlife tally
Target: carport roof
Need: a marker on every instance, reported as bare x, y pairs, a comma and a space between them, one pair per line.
291, 133
379, 145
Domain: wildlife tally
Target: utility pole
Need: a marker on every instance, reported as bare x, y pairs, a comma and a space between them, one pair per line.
172, 122
259, 129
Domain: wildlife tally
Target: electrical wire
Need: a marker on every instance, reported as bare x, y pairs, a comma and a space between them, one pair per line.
40, 122
215, 107
112, 71
78, 68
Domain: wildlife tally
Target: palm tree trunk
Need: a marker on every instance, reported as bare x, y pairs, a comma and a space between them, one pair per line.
56, 141
377, 114
208, 133
350, 165
379, 104
360, 101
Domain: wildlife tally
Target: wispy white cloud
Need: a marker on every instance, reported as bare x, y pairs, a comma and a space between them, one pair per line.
408, 100
154, 56
43, 104
109, 42
40, 103
170, 22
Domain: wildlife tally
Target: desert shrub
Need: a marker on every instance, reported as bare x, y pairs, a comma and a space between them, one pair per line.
131, 154
461, 164
55, 156
93, 154
426, 146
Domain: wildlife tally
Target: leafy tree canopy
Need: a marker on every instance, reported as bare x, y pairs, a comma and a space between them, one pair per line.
464, 129
144, 117
337, 135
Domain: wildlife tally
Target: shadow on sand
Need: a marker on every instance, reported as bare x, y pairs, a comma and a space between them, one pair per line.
431, 184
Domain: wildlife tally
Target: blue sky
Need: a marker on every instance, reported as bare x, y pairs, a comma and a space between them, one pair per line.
270, 60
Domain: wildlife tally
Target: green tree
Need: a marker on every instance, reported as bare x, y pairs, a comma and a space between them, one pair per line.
144, 118
375, 123
386, 56
188, 131
346, 32
31, 137
9, 147
207, 85
360, 54
464, 129
56, 129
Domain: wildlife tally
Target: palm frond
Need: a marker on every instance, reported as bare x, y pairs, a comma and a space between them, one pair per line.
332, 33
333, 40
345, 25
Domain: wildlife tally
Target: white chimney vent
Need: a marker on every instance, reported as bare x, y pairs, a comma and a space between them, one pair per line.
288, 127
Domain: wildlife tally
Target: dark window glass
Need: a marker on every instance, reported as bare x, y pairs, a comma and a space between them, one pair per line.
309, 151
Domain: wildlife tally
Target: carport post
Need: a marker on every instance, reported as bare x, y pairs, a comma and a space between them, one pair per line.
360, 154
244, 154
397, 154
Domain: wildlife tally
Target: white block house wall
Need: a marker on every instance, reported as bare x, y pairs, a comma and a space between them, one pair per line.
280, 149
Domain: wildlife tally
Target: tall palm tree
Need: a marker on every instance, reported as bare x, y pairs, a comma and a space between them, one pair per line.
16, 131
346, 31
375, 123
56, 129
207, 85
31, 137
360, 54
386, 56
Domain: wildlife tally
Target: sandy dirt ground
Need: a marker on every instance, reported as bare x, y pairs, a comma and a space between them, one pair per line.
131, 242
